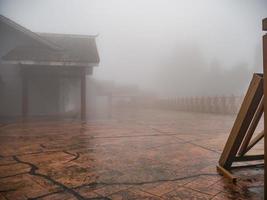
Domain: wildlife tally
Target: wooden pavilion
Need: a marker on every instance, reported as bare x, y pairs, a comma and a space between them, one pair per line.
43, 73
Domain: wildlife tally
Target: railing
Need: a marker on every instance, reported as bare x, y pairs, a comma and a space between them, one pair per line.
206, 104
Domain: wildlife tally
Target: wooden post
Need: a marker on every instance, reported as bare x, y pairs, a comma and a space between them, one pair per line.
264, 27
109, 105
83, 95
25, 93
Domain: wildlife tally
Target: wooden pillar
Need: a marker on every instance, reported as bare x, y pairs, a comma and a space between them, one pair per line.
109, 105
264, 27
25, 94
83, 95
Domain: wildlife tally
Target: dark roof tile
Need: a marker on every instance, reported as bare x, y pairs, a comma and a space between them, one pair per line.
68, 48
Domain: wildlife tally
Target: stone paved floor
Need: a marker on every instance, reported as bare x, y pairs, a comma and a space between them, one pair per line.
139, 155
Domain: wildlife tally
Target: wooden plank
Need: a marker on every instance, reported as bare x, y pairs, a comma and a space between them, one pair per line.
265, 106
83, 95
241, 124
227, 174
253, 125
255, 140
249, 158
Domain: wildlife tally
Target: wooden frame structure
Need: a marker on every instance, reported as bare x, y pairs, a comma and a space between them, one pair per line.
240, 139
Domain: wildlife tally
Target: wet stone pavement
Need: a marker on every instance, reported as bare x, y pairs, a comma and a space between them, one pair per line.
147, 154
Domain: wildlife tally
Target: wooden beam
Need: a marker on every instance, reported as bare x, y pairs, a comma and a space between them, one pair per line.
253, 125
265, 104
255, 140
249, 158
83, 95
224, 172
242, 122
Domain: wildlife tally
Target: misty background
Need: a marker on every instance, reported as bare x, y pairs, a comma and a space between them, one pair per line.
170, 47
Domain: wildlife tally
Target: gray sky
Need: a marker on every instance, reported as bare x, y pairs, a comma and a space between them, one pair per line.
141, 40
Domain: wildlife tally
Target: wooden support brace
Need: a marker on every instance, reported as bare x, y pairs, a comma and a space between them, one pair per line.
226, 173
255, 140
249, 158
253, 125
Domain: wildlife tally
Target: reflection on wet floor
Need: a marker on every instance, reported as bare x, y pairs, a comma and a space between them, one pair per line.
147, 155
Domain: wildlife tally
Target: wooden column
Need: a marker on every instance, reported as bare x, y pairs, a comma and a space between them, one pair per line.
264, 27
109, 105
25, 94
83, 95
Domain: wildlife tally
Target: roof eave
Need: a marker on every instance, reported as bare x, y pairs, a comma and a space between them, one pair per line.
50, 63
28, 32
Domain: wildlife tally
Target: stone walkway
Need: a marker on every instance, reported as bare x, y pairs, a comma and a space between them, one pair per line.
147, 154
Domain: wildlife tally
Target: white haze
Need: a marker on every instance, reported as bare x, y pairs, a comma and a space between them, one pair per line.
173, 47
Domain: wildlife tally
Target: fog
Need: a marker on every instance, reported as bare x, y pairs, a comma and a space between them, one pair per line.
170, 47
